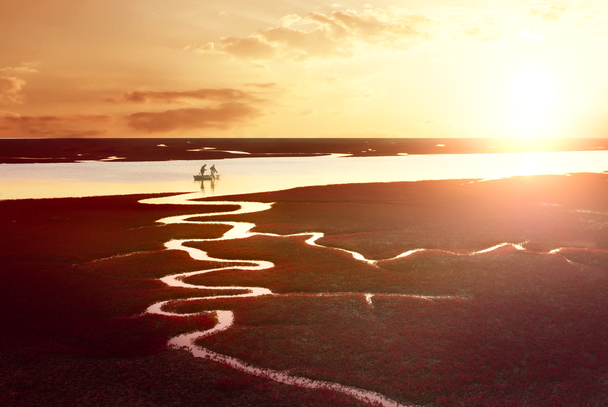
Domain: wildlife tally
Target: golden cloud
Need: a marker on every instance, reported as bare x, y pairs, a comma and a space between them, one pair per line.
547, 12
18, 69
252, 47
226, 115
16, 125
10, 90
338, 35
348, 33
222, 94
218, 108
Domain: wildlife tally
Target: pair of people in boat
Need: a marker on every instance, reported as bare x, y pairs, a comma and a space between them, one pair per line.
212, 170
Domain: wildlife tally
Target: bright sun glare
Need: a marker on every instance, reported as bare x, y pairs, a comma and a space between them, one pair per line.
532, 90
533, 93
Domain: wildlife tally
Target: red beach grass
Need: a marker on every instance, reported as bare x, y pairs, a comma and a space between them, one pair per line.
504, 327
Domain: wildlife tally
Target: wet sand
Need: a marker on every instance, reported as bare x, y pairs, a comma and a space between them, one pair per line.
72, 150
450, 322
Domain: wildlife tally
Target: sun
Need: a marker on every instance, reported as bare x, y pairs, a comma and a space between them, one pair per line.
533, 92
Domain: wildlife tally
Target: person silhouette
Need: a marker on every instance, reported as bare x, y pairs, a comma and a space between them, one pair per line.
203, 169
213, 171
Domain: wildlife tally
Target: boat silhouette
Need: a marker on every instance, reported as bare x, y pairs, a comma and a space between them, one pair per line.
199, 177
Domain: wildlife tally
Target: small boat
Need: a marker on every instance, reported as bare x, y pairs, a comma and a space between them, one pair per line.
199, 177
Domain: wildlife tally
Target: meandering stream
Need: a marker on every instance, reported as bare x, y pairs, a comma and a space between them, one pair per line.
239, 230
242, 230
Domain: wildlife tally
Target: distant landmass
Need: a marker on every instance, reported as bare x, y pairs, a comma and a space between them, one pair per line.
158, 149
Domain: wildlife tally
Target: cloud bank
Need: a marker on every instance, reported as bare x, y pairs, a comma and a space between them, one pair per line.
207, 108
16, 125
224, 116
10, 90
222, 95
339, 34
345, 34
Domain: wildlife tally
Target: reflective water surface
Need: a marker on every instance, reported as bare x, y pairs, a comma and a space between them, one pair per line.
247, 175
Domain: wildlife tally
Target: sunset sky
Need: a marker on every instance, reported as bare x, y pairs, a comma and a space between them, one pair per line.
293, 68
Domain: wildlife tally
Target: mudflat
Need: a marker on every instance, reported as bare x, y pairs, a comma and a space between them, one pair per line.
437, 293
158, 149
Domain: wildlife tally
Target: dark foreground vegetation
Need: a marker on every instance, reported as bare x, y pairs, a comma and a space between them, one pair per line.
505, 327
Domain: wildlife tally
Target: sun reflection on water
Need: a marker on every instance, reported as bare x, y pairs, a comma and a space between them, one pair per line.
528, 164
250, 175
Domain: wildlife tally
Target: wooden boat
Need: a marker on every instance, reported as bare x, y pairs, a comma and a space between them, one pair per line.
199, 177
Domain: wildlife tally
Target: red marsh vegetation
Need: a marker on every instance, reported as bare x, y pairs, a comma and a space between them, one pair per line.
504, 327
524, 327
76, 275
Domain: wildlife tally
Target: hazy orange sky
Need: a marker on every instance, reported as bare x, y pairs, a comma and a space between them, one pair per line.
290, 68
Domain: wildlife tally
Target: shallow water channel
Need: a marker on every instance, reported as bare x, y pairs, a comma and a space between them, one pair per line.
248, 175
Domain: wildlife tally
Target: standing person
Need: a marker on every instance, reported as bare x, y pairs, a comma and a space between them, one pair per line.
203, 169
213, 171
